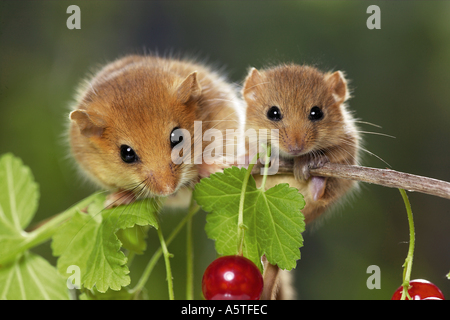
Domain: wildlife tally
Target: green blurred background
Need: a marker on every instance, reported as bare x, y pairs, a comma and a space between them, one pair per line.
400, 77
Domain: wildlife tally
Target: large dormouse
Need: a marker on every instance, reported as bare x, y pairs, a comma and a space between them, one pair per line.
124, 123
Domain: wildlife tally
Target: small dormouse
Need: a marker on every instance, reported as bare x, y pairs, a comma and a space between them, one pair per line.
308, 108
124, 124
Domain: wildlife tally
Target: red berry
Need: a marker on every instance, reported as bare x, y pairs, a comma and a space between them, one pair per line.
420, 290
232, 278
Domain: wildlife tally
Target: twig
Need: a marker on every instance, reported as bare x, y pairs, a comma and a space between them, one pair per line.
383, 177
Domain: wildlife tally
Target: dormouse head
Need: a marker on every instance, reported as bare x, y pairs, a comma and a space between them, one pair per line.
126, 127
304, 104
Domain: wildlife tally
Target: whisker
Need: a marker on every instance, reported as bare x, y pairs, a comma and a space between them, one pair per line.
368, 123
126, 193
219, 99
373, 154
258, 84
377, 133
220, 120
229, 115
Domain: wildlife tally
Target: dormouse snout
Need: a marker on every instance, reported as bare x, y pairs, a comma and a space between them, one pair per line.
295, 149
294, 145
162, 182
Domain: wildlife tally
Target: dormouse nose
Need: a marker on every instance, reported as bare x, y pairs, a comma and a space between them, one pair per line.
295, 149
162, 182
295, 144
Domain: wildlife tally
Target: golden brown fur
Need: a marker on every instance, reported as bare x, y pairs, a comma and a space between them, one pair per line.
295, 90
138, 101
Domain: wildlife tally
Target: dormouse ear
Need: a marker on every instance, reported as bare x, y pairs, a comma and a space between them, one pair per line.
90, 124
189, 89
252, 81
336, 81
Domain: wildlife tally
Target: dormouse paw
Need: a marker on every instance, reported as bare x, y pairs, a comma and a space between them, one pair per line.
303, 164
301, 168
205, 170
319, 161
118, 198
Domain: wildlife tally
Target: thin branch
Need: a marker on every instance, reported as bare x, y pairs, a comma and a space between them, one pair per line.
383, 177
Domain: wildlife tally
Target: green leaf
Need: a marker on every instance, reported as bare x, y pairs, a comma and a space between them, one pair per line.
220, 195
89, 241
123, 294
273, 219
23, 275
31, 277
283, 223
133, 239
19, 195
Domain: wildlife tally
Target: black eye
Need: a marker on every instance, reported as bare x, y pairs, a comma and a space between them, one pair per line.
315, 114
127, 154
176, 136
274, 114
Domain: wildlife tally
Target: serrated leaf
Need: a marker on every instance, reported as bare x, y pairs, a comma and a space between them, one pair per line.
89, 241
31, 277
122, 294
23, 275
273, 219
279, 232
133, 239
220, 195
19, 195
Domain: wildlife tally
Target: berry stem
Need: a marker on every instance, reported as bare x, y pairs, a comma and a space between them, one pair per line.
154, 259
407, 266
266, 167
167, 256
241, 226
193, 207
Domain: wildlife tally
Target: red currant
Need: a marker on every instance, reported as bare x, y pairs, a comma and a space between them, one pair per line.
420, 290
232, 278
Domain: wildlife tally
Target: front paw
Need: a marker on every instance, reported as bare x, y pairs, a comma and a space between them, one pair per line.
303, 164
205, 170
301, 168
119, 198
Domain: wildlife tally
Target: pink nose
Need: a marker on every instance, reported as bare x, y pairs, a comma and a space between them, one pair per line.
164, 188
161, 183
295, 150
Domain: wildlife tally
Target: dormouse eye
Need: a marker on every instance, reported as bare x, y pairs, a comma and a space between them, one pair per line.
274, 114
127, 154
315, 114
176, 137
